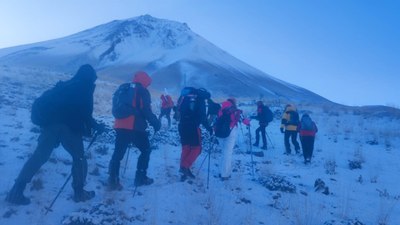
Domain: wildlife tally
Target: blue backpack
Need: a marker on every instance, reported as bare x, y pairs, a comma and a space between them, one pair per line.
306, 123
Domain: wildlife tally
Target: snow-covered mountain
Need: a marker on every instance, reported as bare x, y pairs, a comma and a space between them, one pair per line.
174, 55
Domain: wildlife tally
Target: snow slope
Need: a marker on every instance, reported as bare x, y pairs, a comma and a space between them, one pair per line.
281, 191
173, 54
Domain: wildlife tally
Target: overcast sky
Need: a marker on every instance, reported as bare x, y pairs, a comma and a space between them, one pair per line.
345, 50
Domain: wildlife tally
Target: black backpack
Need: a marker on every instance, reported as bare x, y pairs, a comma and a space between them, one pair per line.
122, 101
48, 108
191, 104
222, 124
188, 106
213, 108
269, 116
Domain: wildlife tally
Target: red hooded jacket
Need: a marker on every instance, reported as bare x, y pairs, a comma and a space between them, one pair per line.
141, 102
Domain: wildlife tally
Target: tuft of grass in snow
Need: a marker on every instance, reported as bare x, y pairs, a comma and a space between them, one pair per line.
386, 207
358, 160
330, 166
306, 213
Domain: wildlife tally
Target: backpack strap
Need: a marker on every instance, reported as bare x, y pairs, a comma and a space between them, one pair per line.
137, 102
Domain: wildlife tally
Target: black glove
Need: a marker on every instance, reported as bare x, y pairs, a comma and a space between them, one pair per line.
282, 131
156, 125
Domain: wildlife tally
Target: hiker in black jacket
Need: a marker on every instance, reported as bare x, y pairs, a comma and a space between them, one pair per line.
264, 116
71, 118
192, 110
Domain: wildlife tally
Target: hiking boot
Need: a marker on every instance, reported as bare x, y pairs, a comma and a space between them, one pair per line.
264, 147
16, 195
184, 177
255, 144
83, 195
258, 154
187, 172
144, 180
114, 184
141, 178
190, 174
224, 178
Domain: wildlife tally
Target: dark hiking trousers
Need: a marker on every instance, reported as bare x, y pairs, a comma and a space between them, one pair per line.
290, 134
51, 137
307, 144
124, 137
261, 129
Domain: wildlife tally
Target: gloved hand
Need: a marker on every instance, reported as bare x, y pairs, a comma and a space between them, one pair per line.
282, 130
246, 122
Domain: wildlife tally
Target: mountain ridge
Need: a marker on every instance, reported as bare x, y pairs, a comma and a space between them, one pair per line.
168, 50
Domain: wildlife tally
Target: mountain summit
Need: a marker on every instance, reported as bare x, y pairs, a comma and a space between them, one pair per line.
174, 55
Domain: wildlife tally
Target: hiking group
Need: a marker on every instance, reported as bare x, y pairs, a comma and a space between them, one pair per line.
64, 114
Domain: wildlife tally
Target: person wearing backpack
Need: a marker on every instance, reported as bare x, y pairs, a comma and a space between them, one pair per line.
166, 106
130, 126
264, 117
192, 112
226, 129
64, 114
307, 130
289, 122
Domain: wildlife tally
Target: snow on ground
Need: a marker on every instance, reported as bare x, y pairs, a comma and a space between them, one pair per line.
356, 157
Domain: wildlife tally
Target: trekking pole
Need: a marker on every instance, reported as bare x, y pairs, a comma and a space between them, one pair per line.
126, 161
134, 191
209, 160
204, 159
241, 129
244, 140
201, 165
48, 209
270, 141
251, 153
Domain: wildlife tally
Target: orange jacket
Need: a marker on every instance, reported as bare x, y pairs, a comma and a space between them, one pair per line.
142, 103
